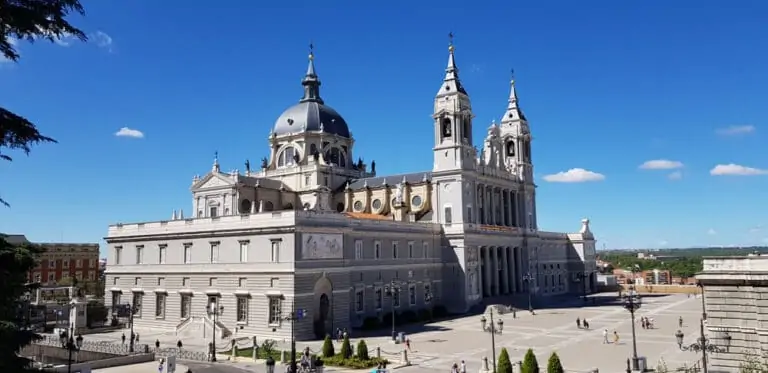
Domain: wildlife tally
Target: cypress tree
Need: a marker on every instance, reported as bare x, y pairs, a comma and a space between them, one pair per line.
362, 350
328, 350
530, 364
504, 365
346, 348
553, 365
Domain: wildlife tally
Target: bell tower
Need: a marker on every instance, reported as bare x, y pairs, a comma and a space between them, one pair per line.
516, 137
452, 116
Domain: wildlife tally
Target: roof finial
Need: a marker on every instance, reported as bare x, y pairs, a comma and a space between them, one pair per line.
311, 51
450, 42
216, 161
512, 74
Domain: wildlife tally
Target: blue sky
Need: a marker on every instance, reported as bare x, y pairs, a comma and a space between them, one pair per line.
606, 86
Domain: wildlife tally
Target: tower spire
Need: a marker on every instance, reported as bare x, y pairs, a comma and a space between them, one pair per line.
311, 82
513, 110
451, 71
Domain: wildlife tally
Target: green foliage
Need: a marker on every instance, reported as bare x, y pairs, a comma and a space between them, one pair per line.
362, 350
30, 21
754, 363
554, 365
504, 365
267, 348
530, 364
354, 362
678, 266
15, 264
97, 313
346, 348
328, 349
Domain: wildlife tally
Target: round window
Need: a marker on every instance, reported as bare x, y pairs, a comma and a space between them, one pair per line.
340, 207
416, 201
358, 206
376, 204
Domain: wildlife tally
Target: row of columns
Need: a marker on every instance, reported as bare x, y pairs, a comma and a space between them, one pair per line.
500, 207
500, 270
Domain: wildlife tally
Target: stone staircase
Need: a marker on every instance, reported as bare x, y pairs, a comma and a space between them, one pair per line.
196, 327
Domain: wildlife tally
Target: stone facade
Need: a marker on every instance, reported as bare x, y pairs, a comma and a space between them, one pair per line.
314, 229
735, 294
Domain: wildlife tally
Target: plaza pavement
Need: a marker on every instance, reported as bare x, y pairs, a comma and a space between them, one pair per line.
553, 329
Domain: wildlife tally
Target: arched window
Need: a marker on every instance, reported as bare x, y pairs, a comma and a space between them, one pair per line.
287, 157
466, 131
312, 149
511, 148
446, 127
268, 206
340, 207
338, 158
528, 151
245, 206
288, 206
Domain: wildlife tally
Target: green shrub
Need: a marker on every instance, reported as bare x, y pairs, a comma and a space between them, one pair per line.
328, 350
425, 315
371, 323
530, 364
346, 349
362, 350
354, 362
504, 364
553, 365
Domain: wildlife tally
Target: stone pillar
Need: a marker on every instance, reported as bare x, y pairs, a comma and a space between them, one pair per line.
505, 270
487, 269
378, 352
488, 208
495, 272
484, 368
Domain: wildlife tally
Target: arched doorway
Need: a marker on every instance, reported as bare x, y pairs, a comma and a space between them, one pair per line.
323, 315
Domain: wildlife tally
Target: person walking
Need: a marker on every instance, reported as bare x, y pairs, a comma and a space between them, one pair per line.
615, 337
605, 336
408, 344
680, 321
463, 368
454, 368
123, 338
585, 323
578, 323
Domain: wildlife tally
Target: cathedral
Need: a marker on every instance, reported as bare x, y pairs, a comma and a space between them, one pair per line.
312, 228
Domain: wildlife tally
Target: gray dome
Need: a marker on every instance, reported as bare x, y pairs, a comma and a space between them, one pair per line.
308, 116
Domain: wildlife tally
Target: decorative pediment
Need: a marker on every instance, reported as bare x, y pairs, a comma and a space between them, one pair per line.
213, 181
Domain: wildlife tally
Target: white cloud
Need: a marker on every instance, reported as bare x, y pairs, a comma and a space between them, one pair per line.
736, 130
711, 232
677, 175
736, 170
661, 164
574, 175
663, 243
102, 40
129, 132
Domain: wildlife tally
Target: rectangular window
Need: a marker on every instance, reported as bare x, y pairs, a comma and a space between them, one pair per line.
213, 302
275, 251
448, 215
160, 305
51, 277
91, 276
360, 301
358, 249
160, 281
243, 251
115, 281
118, 255
412, 295
242, 282
186, 305
274, 282
161, 253
427, 293
212, 282
425, 249
185, 282
242, 309
275, 310
214, 254
37, 277
138, 300
79, 263
137, 281
377, 250
379, 294
396, 297
65, 264
394, 250
187, 253
213, 212
79, 275
410, 250
115, 299
52, 263
139, 254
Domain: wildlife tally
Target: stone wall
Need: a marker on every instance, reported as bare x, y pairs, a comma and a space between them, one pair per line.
58, 353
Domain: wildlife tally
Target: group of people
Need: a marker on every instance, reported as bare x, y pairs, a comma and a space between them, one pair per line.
456, 368
582, 323
646, 322
615, 337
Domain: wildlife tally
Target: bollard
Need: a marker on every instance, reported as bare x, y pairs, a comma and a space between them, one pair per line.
234, 352
255, 352
378, 352
484, 365
283, 357
519, 366
404, 359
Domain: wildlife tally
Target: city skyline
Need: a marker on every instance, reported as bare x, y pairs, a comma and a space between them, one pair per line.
648, 133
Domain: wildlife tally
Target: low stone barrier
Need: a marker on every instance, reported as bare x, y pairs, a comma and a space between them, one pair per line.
106, 363
664, 289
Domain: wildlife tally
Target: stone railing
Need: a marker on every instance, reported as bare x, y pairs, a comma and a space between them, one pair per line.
101, 346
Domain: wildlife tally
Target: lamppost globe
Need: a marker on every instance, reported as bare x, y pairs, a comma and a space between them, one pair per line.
680, 336
501, 325
483, 322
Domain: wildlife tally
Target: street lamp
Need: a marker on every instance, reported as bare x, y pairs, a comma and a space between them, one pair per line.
529, 280
132, 310
703, 305
293, 317
493, 329
702, 344
583, 276
392, 290
71, 345
632, 303
215, 311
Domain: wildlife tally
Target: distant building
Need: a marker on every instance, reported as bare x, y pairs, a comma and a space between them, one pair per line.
735, 291
647, 277
59, 261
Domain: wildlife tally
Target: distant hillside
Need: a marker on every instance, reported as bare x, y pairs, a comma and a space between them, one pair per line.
691, 251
